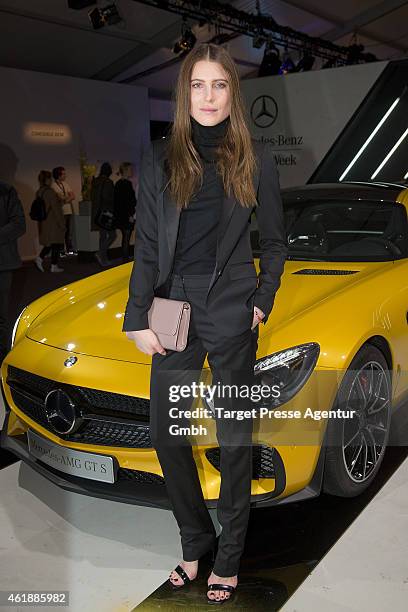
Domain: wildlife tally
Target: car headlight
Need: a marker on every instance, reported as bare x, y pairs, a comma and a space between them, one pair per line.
286, 370
13, 335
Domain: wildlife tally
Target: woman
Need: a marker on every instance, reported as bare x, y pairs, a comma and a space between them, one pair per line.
125, 203
52, 229
197, 192
102, 197
67, 196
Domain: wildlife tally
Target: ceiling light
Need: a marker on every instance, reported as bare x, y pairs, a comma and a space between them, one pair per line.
187, 40
271, 61
258, 39
305, 63
287, 66
108, 15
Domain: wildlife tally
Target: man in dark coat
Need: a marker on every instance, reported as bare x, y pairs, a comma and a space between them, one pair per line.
102, 197
12, 226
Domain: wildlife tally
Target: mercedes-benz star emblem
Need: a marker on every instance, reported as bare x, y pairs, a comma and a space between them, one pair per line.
70, 361
264, 111
60, 412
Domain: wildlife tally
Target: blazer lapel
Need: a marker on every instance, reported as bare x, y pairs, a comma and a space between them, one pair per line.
227, 208
171, 220
230, 209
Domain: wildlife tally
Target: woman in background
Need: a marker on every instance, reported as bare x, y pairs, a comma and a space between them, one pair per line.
125, 203
52, 229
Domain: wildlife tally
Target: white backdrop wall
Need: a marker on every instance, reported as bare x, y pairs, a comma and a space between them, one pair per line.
302, 113
45, 120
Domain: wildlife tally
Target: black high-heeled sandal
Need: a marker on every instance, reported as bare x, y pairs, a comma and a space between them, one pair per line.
207, 556
183, 575
220, 587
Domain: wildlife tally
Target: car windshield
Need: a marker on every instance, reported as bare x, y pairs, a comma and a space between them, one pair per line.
331, 230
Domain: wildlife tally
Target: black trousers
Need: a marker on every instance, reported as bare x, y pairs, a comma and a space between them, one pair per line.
6, 277
106, 238
231, 360
68, 233
55, 249
125, 245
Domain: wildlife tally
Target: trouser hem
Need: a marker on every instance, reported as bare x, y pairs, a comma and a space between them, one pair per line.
225, 572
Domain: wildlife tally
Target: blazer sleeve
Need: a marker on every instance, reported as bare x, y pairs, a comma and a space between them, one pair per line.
272, 234
145, 265
16, 224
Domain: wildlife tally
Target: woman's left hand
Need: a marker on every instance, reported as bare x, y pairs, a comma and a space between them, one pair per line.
258, 316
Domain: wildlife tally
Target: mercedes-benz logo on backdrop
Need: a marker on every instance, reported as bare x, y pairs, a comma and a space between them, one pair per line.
264, 111
60, 412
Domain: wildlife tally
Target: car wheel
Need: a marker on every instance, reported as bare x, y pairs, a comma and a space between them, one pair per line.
356, 446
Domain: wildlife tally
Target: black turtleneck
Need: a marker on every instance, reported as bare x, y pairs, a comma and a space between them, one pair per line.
196, 245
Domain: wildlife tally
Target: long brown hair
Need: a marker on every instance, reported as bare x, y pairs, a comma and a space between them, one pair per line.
236, 162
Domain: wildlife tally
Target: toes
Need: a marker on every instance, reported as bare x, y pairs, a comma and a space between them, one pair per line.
217, 595
174, 578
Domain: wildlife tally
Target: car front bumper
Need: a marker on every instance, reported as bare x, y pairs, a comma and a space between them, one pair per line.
139, 478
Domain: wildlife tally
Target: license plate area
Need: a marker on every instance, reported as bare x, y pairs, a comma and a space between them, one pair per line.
71, 461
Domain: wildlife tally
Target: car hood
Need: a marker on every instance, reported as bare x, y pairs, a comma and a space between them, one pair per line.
90, 322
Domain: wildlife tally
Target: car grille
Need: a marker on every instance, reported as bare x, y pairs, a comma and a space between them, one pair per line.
136, 406
262, 460
140, 477
323, 272
110, 419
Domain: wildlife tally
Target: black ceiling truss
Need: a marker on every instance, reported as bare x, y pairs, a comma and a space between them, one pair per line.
256, 25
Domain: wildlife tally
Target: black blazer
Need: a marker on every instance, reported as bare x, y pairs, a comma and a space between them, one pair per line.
124, 203
234, 288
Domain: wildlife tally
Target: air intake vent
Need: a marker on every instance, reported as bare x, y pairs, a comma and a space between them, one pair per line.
324, 272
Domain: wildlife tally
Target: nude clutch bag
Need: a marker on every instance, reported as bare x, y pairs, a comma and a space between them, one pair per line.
170, 320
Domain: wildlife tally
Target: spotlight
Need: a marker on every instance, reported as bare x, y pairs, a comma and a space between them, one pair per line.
270, 62
331, 63
258, 40
305, 63
354, 54
187, 40
369, 57
287, 65
109, 15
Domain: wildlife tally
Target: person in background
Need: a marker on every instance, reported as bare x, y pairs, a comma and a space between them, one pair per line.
65, 193
52, 229
12, 226
125, 203
102, 197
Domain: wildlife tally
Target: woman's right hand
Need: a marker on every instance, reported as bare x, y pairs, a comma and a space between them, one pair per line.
146, 341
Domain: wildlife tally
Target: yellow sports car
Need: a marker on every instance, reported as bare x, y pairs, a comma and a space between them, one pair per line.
76, 389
